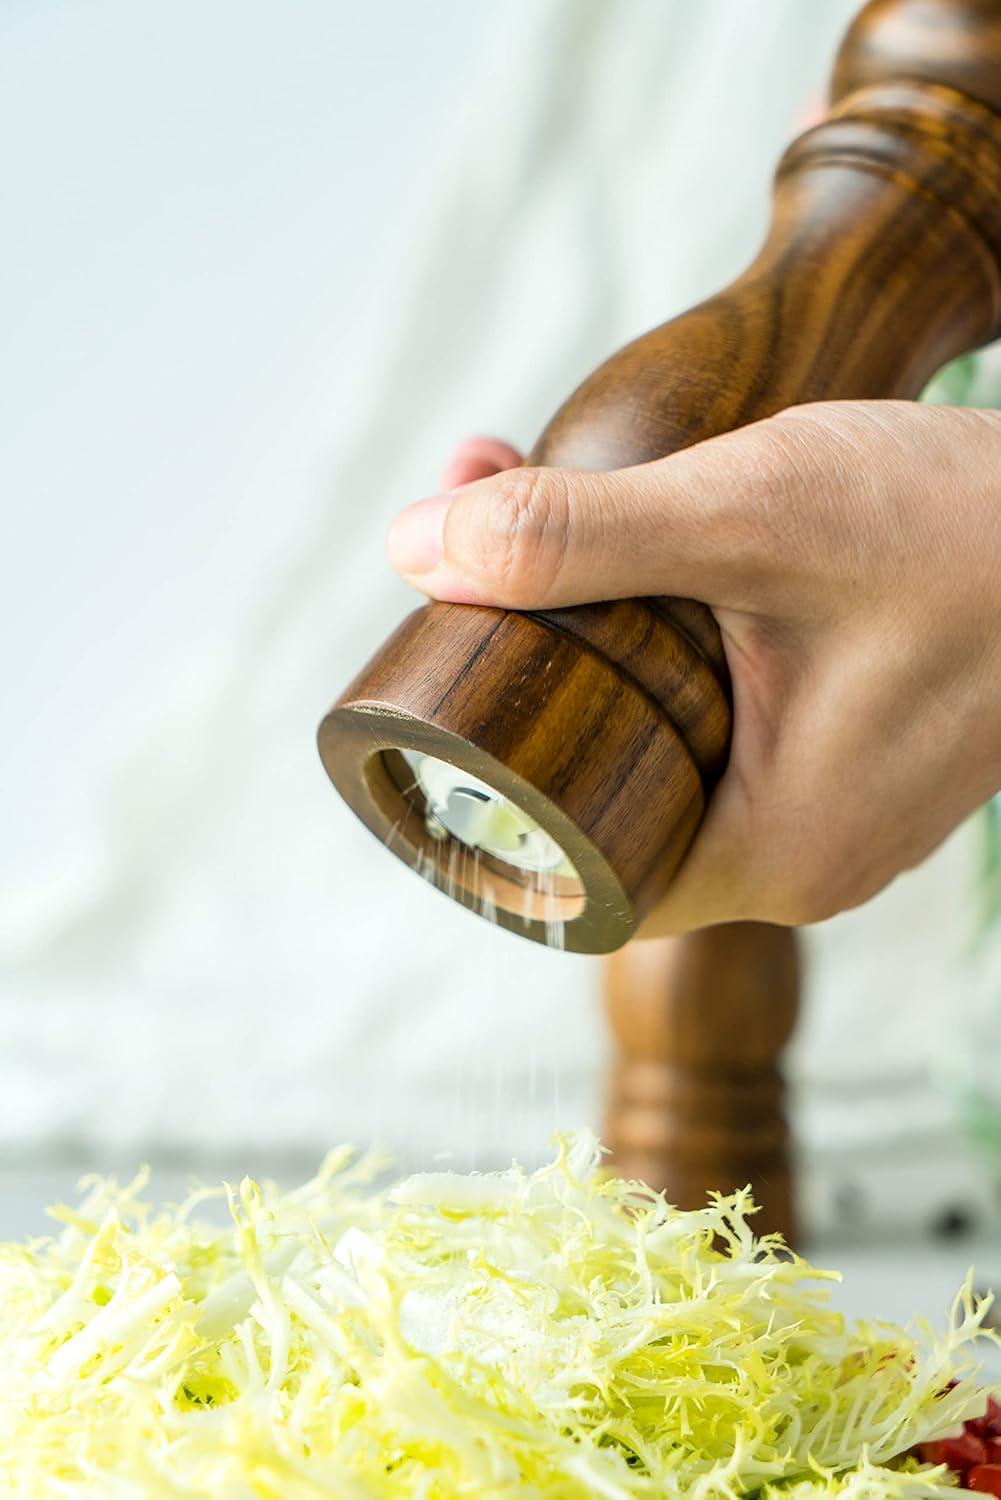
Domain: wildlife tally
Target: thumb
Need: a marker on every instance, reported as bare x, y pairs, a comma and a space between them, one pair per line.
693, 524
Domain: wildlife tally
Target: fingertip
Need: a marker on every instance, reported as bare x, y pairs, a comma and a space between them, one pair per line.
478, 458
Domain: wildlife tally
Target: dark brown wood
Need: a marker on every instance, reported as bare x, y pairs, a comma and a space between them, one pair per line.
696, 1096
883, 261
549, 723
952, 43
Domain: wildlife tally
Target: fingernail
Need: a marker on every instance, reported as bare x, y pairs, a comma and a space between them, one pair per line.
416, 538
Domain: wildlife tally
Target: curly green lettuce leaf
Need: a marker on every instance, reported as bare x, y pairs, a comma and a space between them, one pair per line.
551, 1334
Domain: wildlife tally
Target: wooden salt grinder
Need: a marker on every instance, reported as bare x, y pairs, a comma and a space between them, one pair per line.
582, 744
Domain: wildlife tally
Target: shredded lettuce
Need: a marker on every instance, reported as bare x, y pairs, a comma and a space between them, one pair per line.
545, 1336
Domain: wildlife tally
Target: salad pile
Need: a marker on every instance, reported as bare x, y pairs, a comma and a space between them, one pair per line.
557, 1335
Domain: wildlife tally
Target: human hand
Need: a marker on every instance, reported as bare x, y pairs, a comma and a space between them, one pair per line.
851, 553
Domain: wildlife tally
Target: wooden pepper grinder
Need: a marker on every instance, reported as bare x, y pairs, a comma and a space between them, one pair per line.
549, 769
695, 1093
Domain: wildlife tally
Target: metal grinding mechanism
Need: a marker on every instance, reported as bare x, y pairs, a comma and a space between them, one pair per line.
549, 769
460, 806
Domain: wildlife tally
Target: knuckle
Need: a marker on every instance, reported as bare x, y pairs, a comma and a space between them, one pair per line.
522, 537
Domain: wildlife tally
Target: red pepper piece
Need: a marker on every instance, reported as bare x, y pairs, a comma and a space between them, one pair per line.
986, 1478
993, 1450
960, 1453
989, 1425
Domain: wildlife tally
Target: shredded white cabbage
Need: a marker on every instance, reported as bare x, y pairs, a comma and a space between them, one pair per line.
546, 1336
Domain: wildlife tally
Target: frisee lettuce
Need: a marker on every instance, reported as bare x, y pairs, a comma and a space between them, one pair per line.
551, 1335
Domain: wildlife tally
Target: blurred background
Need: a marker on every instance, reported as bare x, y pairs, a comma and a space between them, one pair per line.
261, 266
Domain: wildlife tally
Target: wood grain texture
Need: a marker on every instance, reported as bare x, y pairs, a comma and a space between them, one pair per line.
881, 263
552, 724
696, 1098
954, 43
